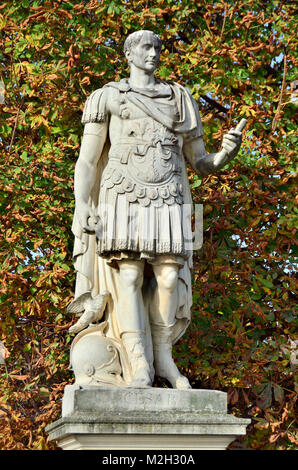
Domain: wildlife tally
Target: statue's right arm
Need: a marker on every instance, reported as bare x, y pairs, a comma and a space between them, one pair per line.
206, 164
93, 141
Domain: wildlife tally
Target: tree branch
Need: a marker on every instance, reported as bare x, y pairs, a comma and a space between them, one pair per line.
214, 104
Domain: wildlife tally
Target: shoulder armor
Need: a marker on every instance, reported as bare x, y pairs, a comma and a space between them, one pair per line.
95, 107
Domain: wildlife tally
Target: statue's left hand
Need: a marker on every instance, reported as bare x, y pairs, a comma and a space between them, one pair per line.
231, 142
89, 221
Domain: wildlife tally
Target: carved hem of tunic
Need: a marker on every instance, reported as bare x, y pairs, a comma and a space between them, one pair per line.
112, 258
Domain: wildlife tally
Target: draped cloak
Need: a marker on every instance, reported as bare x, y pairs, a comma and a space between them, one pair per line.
94, 273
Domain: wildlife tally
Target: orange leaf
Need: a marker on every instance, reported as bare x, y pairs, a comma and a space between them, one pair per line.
19, 377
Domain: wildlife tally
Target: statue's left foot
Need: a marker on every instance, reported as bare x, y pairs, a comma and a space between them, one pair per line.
164, 364
182, 383
165, 367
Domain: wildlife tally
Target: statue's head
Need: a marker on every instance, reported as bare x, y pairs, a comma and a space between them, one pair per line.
142, 49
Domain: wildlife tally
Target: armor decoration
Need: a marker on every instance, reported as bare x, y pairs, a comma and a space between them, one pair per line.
145, 164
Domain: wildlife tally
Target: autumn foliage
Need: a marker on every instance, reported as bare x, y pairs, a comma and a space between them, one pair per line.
237, 58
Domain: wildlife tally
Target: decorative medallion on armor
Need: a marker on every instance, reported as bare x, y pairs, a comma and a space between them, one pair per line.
145, 164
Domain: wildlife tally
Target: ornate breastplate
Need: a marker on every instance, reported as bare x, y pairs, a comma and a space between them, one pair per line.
145, 164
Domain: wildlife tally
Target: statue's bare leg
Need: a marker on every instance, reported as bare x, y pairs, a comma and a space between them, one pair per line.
131, 319
162, 317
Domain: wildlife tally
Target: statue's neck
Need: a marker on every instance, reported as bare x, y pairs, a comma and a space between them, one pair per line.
140, 79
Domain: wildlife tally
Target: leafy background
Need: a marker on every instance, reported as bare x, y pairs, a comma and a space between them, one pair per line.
237, 58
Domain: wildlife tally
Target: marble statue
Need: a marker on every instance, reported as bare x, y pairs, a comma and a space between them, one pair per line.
132, 223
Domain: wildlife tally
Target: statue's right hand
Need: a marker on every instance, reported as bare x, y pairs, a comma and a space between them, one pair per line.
87, 217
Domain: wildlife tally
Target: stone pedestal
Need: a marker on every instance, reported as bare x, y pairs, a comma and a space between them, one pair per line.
109, 418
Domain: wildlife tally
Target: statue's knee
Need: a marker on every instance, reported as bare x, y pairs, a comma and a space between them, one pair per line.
131, 277
168, 279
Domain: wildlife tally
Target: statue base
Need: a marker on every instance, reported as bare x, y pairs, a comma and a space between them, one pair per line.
110, 418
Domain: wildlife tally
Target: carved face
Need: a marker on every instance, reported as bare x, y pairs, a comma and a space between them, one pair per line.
145, 55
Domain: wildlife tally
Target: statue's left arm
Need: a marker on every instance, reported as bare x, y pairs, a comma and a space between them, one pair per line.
204, 163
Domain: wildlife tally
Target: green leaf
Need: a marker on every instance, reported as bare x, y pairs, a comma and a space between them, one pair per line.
265, 282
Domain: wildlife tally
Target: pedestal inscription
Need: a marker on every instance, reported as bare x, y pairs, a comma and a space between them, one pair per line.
113, 418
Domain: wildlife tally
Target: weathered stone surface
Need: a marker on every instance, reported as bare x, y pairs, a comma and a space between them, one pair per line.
130, 418
106, 400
